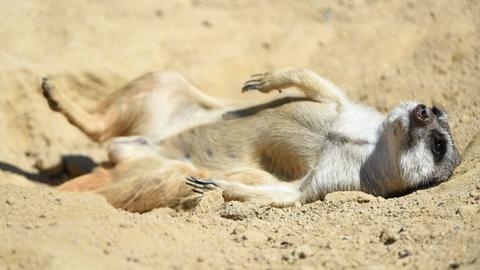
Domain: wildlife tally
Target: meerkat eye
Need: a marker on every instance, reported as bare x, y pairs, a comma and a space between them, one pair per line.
439, 146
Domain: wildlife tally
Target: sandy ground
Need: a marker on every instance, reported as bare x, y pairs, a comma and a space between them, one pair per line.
381, 52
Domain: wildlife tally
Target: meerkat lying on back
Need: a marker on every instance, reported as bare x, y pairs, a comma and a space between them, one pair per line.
286, 151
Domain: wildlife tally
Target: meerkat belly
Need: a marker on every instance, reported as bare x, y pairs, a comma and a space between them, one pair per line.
284, 141
221, 145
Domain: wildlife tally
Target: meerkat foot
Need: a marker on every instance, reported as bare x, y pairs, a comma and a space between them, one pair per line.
50, 93
260, 82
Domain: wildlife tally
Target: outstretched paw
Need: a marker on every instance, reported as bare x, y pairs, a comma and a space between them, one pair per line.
260, 82
200, 186
49, 93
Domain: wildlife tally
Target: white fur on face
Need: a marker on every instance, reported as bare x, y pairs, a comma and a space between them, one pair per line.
416, 164
400, 114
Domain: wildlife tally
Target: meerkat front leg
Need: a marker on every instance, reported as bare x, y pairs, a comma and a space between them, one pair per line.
275, 194
311, 84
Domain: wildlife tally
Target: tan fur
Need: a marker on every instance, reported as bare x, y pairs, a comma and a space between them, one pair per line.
98, 178
189, 135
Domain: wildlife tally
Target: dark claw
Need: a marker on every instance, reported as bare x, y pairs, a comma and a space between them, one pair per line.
258, 75
199, 186
198, 191
191, 184
252, 86
253, 81
195, 185
201, 182
249, 87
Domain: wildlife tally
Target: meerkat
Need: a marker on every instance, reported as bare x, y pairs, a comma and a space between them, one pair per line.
170, 143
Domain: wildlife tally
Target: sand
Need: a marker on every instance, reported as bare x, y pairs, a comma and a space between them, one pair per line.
380, 52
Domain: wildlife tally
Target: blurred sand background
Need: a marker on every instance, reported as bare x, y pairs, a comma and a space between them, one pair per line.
380, 52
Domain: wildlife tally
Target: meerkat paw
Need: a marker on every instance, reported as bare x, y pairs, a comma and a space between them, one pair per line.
260, 82
51, 94
230, 191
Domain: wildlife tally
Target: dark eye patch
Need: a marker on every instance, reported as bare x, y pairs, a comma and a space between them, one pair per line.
438, 145
437, 111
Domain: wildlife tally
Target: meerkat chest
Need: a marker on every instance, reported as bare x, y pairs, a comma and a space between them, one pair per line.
357, 123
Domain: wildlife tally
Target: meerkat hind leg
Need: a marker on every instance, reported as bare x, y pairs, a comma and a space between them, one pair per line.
147, 106
92, 125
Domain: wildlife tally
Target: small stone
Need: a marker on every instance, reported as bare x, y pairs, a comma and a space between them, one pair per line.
475, 195
159, 13
10, 201
303, 251
388, 237
454, 265
132, 259
207, 24
285, 244
404, 253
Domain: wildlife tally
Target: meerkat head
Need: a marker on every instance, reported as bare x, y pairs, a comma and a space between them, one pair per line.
420, 146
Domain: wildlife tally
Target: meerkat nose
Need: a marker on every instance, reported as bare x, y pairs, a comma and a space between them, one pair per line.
422, 113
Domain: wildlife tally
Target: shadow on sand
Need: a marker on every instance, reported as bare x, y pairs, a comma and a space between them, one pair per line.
71, 166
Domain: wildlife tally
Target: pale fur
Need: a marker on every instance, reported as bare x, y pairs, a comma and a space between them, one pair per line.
288, 151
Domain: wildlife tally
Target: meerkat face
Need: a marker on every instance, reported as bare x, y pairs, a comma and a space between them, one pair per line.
421, 144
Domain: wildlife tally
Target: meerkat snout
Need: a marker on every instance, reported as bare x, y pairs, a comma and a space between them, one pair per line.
421, 114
